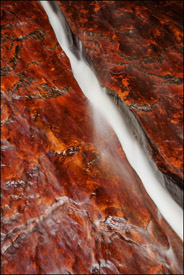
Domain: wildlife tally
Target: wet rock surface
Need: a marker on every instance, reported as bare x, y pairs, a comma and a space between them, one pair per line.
136, 49
71, 204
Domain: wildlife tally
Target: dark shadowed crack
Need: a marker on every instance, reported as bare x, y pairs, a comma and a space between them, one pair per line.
36, 35
11, 65
53, 92
5, 70
24, 81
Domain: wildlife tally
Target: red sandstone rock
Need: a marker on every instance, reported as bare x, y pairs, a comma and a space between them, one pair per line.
136, 49
66, 208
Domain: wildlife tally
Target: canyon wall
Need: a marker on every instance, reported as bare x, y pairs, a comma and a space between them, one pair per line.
66, 207
136, 49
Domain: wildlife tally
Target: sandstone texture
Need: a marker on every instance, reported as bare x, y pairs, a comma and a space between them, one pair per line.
136, 48
70, 203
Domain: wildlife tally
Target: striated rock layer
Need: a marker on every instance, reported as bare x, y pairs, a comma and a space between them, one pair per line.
136, 49
66, 207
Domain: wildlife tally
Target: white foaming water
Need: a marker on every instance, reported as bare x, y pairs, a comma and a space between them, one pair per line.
90, 86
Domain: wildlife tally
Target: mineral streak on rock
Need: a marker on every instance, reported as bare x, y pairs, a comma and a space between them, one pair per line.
136, 49
66, 208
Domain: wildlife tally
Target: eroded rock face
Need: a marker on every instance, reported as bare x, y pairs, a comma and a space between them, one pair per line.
136, 49
68, 205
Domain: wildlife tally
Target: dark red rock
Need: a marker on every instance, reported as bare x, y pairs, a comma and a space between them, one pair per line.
66, 208
136, 49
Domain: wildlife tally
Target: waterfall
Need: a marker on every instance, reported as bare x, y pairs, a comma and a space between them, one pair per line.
90, 86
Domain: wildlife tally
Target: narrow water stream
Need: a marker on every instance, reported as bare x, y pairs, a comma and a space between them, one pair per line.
90, 86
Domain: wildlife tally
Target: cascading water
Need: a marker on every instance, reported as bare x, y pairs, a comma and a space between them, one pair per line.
90, 86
